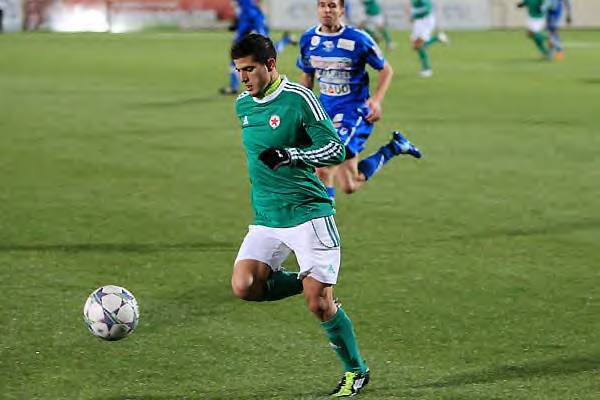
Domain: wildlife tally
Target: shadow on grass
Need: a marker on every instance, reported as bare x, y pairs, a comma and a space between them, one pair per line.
179, 102
555, 366
220, 397
121, 247
591, 81
568, 227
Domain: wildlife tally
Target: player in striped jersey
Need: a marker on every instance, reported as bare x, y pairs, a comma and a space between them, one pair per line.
286, 134
423, 33
536, 14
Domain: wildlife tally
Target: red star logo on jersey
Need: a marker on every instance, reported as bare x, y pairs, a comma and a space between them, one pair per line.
274, 121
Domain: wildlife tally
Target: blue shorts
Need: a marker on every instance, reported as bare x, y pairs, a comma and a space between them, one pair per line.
352, 128
553, 20
250, 25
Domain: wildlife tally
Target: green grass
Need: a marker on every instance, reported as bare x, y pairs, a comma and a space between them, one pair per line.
470, 274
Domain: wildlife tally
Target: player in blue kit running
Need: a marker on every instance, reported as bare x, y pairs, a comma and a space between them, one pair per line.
336, 55
250, 19
553, 19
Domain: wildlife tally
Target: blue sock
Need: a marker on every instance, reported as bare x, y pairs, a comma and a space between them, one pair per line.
234, 80
555, 39
370, 165
330, 191
280, 45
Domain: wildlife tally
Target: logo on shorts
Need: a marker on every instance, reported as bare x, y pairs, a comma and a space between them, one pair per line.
330, 269
274, 121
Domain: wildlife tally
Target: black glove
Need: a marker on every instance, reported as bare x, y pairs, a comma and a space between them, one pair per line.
569, 20
521, 4
275, 157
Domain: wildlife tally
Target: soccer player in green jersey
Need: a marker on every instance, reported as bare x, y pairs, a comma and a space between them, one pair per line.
536, 10
375, 24
286, 134
422, 35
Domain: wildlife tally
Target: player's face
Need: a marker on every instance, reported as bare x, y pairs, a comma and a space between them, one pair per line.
330, 12
256, 76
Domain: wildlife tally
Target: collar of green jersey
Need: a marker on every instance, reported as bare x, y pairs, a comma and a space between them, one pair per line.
271, 91
272, 87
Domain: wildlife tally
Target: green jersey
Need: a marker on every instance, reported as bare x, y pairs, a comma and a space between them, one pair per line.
291, 118
536, 8
420, 8
372, 7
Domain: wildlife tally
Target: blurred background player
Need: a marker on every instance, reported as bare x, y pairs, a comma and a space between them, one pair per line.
250, 19
422, 36
286, 134
553, 19
337, 55
536, 10
376, 24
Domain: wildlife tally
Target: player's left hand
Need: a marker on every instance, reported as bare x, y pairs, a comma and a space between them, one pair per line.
569, 19
275, 157
375, 111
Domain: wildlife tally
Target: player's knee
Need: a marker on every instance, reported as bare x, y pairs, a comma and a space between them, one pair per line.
348, 187
241, 288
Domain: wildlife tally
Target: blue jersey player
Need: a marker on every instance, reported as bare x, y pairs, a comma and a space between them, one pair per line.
250, 19
336, 56
553, 18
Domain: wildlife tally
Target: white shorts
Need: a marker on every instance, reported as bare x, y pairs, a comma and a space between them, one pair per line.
423, 28
375, 21
316, 244
536, 24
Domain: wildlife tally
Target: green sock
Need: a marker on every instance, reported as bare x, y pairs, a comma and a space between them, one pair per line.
431, 41
540, 42
386, 37
341, 337
282, 284
424, 58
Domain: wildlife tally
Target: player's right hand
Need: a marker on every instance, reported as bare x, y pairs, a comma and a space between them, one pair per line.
374, 111
275, 157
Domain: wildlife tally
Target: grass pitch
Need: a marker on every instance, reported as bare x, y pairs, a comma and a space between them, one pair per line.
469, 274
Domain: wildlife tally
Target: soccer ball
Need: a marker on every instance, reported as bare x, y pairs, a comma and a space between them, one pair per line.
111, 312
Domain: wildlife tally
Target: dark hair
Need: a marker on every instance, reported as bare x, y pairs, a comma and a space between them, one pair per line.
342, 3
258, 46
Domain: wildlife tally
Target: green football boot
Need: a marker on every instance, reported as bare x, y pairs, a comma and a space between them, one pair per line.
350, 384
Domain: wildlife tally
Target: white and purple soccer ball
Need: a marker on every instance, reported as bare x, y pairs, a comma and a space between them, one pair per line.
111, 312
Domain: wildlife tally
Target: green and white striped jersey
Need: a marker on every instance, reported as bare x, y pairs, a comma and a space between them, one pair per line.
291, 118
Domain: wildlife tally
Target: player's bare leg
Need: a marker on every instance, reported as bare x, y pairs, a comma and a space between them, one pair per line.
348, 178
249, 279
253, 280
339, 330
319, 298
